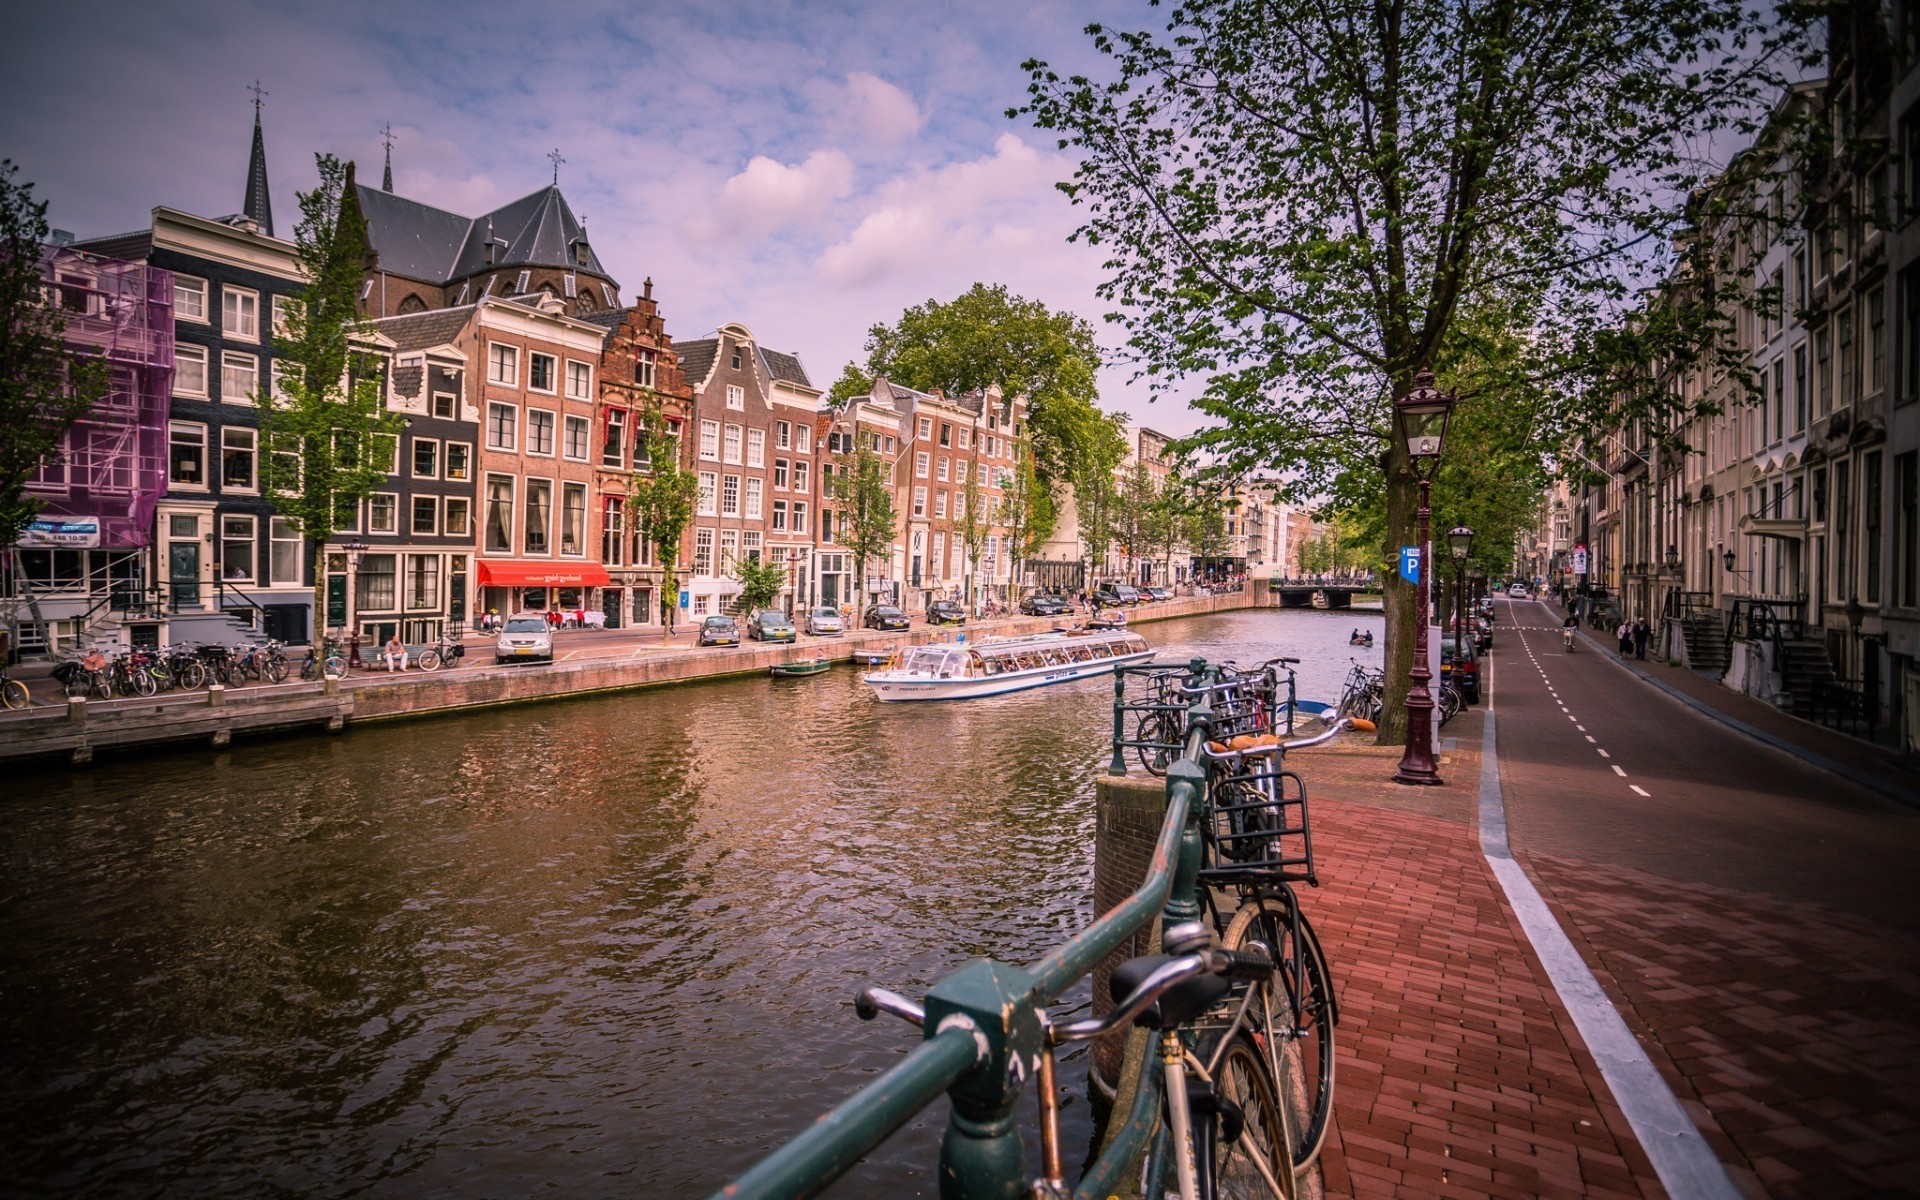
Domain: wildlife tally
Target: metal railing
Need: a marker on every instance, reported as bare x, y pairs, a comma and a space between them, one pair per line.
985, 1022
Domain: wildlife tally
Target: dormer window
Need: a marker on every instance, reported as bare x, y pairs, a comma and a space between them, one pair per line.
736, 358
580, 254
490, 253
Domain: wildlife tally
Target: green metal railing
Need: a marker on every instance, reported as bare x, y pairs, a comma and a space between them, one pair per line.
983, 1031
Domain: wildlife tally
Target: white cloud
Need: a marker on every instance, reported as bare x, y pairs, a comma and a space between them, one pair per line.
771, 195
884, 112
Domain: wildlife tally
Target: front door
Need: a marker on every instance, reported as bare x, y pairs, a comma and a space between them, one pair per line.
183, 560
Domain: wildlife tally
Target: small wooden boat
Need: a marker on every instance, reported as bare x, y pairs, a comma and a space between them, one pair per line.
873, 658
1110, 618
802, 666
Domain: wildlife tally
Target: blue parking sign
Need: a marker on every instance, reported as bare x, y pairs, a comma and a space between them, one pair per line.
1410, 563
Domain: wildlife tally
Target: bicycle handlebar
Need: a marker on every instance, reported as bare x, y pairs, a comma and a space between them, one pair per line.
1338, 727
1234, 964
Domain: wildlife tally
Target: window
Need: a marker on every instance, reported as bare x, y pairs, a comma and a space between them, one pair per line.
709, 491
376, 592
499, 538
236, 458
458, 514
703, 552
1844, 352
240, 314
540, 372
941, 468
189, 299
800, 475
540, 432
779, 474
1870, 493
729, 548
736, 395
443, 405
754, 484
920, 463
386, 449
501, 422
579, 380
983, 476
730, 495
802, 439
730, 447
236, 547
1876, 341
710, 440
576, 445
800, 517
239, 377
756, 447
782, 435
426, 515
940, 503
919, 502
643, 367
573, 518
966, 438
750, 543
503, 364
382, 512
426, 458
539, 513
613, 446
187, 454
1800, 387
613, 529
423, 581
779, 516
1822, 372
1907, 332
1906, 529
189, 370
278, 315
283, 551
458, 454
926, 427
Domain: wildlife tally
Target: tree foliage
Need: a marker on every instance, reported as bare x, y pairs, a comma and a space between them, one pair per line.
1299, 199
974, 521
325, 430
661, 502
860, 484
761, 580
1027, 511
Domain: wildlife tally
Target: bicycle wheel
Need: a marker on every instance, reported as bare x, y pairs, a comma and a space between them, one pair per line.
429, 659
277, 669
1160, 729
1251, 1165
14, 694
142, 681
100, 685
1296, 1015
193, 674
335, 665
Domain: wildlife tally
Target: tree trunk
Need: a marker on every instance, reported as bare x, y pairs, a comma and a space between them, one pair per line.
1399, 598
317, 562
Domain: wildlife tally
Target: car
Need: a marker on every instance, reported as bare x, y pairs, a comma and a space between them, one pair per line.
719, 630
1111, 595
1157, 592
1461, 664
824, 621
1045, 604
1483, 633
771, 625
945, 612
884, 616
1516, 592
525, 638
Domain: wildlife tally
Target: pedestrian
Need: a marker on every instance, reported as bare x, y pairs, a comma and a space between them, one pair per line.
395, 652
1624, 634
1640, 635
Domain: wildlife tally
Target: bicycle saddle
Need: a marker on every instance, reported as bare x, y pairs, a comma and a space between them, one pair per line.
1178, 1004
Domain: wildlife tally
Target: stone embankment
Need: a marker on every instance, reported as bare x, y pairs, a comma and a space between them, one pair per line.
77, 730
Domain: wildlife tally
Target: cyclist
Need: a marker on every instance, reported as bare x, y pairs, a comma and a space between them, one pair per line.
1566, 630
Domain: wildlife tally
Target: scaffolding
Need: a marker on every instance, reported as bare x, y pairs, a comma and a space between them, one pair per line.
112, 466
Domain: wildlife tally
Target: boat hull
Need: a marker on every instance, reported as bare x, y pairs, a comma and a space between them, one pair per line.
892, 686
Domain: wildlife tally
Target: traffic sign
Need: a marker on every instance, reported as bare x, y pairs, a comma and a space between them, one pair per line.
1410, 563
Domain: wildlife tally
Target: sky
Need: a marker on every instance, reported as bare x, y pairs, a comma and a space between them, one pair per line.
804, 168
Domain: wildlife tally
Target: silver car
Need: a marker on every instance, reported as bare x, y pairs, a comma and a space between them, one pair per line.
525, 639
824, 622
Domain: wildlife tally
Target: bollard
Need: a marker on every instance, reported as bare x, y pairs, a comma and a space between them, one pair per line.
77, 709
216, 695
1119, 764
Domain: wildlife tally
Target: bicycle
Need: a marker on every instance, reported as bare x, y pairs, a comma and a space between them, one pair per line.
13, 693
445, 652
324, 659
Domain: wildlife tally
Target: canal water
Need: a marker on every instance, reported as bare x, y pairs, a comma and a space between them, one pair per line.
605, 947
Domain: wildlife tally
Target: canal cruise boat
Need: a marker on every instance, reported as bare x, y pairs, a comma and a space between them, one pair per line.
961, 671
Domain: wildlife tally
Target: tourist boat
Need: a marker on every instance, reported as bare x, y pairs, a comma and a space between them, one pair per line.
960, 670
799, 667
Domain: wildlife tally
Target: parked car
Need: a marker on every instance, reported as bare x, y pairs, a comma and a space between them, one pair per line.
1483, 633
525, 638
825, 622
719, 631
1156, 592
884, 616
771, 625
1516, 592
1461, 664
1045, 604
1109, 595
945, 612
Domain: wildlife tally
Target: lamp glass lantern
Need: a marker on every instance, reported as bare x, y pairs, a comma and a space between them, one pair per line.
1673, 558
1460, 542
1421, 417
1856, 612
1729, 558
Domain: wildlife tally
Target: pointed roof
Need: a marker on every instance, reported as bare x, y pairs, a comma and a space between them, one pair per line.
259, 204
436, 246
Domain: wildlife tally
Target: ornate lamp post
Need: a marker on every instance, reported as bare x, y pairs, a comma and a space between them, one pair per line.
1420, 417
1460, 544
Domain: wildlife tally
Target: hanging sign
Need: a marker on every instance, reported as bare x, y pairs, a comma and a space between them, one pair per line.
1580, 560
70, 533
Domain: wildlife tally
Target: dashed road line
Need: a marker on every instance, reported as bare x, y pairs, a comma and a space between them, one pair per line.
1636, 787
1603, 753
1618, 771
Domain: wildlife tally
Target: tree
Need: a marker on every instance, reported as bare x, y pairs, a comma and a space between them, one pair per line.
1096, 505
861, 486
1027, 513
1204, 523
761, 581
1298, 200
44, 388
1139, 505
852, 383
974, 521
661, 500
988, 337
324, 425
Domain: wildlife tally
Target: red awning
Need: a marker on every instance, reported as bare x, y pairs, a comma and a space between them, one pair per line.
530, 574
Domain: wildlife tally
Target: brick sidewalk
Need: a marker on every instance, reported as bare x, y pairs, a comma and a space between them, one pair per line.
1459, 1073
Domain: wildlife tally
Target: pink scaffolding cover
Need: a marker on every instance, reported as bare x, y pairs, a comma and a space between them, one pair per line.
112, 468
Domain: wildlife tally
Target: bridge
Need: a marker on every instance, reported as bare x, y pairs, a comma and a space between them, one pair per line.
1299, 593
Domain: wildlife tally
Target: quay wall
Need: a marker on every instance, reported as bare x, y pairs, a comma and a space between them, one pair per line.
76, 731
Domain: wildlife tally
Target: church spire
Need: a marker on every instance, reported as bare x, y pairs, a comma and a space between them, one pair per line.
386, 180
259, 204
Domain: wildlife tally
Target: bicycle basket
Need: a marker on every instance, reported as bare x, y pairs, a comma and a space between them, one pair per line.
1256, 828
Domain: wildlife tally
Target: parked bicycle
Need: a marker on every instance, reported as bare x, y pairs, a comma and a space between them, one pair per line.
446, 652
13, 693
324, 659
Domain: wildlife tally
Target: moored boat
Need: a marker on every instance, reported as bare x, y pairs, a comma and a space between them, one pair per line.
873, 658
958, 671
799, 667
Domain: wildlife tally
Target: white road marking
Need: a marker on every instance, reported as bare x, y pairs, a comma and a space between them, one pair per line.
1636, 787
1603, 753
1589, 737
1618, 771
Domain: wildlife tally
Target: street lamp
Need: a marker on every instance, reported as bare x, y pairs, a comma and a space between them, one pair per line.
1728, 557
355, 551
1460, 542
1420, 417
1673, 560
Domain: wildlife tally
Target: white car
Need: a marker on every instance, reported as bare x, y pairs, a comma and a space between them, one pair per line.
824, 621
1516, 592
526, 638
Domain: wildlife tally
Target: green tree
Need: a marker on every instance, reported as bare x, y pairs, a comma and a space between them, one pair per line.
974, 522
761, 581
1027, 512
44, 388
988, 337
661, 502
861, 486
1203, 524
1138, 508
324, 423
1096, 506
853, 383
1298, 200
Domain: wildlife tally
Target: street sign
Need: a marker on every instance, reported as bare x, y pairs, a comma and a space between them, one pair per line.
1580, 560
686, 598
1410, 563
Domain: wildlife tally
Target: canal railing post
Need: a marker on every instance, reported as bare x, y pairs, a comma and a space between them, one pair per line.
1119, 764
981, 1156
1189, 777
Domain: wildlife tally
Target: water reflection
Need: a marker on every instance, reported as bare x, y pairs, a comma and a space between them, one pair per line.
606, 945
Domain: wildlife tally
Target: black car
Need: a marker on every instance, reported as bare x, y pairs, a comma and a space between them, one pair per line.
1044, 604
945, 612
884, 616
719, 631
